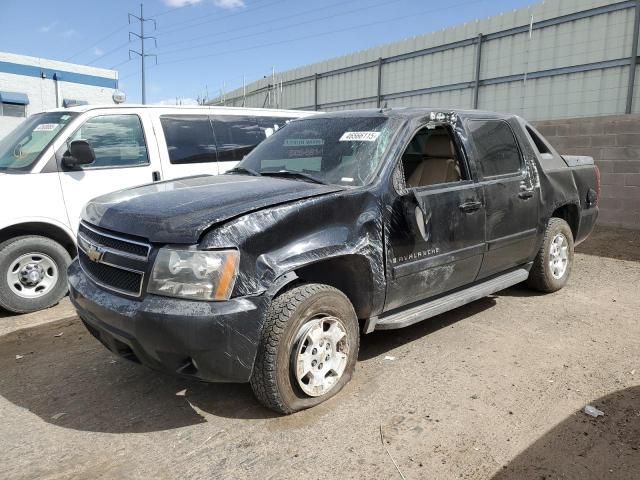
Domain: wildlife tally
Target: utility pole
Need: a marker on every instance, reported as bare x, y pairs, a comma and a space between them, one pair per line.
141, 53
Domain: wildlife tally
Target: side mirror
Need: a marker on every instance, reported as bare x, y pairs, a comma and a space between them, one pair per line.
79, 153
416, 215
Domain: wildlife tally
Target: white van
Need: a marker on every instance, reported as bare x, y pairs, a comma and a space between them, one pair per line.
55, 161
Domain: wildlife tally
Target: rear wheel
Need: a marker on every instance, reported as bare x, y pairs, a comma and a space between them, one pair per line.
552, 265
308, 349
33, 273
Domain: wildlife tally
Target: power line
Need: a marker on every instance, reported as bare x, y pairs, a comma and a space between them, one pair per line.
109, 52
189, 23
117, 30
305, 37
278, 29
248, 26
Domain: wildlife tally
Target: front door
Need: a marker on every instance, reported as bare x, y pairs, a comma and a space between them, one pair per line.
435, 240
123, 159
510, 194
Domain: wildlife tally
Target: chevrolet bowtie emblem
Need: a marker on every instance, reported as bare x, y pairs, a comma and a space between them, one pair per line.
94, 253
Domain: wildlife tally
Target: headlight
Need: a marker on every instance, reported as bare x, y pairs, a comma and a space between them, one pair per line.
196, 274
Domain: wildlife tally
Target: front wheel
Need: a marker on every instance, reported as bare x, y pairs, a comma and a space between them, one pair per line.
308, 350
552, 265
33, 273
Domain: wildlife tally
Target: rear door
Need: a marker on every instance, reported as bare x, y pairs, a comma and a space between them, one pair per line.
124, 158
511, 202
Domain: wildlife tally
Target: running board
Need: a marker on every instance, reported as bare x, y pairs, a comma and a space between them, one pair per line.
444, 304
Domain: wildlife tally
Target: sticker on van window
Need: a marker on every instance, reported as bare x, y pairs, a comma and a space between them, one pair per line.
359, 136
303, 142
46, 127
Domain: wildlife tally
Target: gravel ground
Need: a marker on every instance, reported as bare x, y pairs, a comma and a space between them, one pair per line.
491, 390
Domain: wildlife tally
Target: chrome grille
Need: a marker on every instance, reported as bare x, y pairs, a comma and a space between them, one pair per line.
111, 261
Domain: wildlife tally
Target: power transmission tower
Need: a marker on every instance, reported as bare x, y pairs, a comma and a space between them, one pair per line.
141, 53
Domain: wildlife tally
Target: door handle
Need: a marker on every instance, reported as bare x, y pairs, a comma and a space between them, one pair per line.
155, 176
469, 207
525, 192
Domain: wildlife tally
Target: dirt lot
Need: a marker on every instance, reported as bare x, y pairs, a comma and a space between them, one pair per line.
492, 390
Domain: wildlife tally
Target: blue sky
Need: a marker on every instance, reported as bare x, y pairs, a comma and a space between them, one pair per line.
205, 44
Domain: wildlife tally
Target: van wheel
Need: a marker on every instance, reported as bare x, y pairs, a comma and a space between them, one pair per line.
33, 273
308, 349
552, 265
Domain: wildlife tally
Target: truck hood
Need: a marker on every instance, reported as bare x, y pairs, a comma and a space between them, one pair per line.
179, 211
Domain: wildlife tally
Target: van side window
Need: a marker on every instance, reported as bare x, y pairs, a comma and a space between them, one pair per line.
117, 141
236, 136
189, 138
496, 146
431, 158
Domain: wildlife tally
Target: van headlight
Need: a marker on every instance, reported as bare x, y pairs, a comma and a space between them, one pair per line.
195, 274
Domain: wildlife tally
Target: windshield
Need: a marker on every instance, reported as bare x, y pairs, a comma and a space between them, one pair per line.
21, 148
339, 151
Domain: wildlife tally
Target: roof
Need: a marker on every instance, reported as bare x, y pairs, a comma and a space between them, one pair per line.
86, 108
409, 113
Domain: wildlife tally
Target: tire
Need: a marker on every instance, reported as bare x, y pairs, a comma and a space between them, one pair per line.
32, 252
543, 276
290, 321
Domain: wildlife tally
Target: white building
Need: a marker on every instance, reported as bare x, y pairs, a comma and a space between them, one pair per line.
30, 85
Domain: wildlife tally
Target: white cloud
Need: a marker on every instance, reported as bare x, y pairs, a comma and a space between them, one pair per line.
178, 101
180, 3
68, 33
229, 4
98, 51
47, 28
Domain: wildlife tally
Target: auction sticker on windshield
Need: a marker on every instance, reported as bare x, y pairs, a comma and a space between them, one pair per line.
359, 136
46, 127
303, 142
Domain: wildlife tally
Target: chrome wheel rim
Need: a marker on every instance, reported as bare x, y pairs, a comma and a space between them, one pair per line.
321, 355
559, 256
32, 275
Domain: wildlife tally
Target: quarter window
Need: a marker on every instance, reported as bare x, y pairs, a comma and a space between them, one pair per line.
496, 147
189, 138
117, 140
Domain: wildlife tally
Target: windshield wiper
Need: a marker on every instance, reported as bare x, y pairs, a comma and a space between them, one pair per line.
243, 170
288, 173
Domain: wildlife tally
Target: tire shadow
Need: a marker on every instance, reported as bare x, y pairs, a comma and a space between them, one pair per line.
586, 448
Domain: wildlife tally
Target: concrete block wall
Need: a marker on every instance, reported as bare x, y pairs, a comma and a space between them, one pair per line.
614, 143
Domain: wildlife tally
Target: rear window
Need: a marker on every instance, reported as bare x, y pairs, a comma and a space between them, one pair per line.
496, 147
205, 139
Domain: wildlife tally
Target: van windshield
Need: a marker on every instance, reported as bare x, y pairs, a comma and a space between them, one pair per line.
21, 148
342, 151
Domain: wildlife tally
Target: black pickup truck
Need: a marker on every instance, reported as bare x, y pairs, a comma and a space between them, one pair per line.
338, 224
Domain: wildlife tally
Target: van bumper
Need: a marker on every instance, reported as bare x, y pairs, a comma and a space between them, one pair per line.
209, 341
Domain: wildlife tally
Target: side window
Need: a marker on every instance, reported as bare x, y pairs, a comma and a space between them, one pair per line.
537, 141
117, 141
431, 158
189, 138
236, 136
497, 149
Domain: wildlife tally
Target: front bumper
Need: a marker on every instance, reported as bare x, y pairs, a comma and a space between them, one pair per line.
210, 341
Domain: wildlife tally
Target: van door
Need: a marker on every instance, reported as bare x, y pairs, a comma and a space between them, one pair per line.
123, 159
187, 145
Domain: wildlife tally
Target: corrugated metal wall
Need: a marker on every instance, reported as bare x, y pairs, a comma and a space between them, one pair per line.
576, 63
